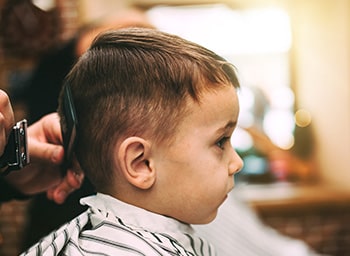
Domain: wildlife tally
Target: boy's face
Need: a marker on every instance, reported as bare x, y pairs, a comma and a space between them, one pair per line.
195, 173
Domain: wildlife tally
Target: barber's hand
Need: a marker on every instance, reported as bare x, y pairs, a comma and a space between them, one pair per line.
46, 155
6, 120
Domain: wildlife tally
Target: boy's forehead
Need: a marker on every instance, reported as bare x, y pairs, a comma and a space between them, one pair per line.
216, 106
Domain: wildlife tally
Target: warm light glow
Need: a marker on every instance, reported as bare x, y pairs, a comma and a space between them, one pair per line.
246, 102
241, 140
257, 41
279, 126
45, 5
227, 31
282, 98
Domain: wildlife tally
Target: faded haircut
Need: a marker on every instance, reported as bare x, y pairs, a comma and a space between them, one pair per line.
137, 82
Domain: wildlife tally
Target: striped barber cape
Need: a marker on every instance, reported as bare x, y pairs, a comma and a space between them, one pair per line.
112, 227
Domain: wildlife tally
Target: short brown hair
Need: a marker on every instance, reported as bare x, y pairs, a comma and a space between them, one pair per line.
137, 82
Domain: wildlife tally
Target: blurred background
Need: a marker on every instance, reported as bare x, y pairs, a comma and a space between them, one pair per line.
293, 61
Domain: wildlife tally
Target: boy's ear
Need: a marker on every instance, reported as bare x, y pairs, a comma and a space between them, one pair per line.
133, 158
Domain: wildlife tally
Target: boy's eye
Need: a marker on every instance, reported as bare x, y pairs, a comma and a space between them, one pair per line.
221, 143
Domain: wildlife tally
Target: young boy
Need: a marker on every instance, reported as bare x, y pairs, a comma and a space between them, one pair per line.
155, 116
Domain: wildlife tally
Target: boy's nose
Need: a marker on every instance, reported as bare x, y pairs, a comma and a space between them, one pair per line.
236, 163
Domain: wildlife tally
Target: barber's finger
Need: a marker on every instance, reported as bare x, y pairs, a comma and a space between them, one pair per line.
45, 152
71, 182
6, 119
47, 129
3, 138
52, 128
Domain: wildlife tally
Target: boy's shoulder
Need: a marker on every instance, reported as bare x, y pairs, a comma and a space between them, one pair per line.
96, 231
81, 237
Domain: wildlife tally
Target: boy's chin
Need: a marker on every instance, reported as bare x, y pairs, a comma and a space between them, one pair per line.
208, 219
198, 220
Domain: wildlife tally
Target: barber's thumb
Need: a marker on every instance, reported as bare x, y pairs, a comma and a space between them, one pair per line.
57, 155
45, 152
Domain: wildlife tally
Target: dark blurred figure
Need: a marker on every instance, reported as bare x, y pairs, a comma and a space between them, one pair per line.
40, 93
40, 96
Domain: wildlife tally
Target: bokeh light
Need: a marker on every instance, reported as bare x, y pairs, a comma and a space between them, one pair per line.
302, 118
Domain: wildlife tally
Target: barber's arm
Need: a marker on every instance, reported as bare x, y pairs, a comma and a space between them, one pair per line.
43, 174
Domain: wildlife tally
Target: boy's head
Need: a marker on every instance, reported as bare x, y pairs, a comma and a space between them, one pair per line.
132, 91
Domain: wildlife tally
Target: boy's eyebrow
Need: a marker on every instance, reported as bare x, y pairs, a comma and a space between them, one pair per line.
228, 126
231, 124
